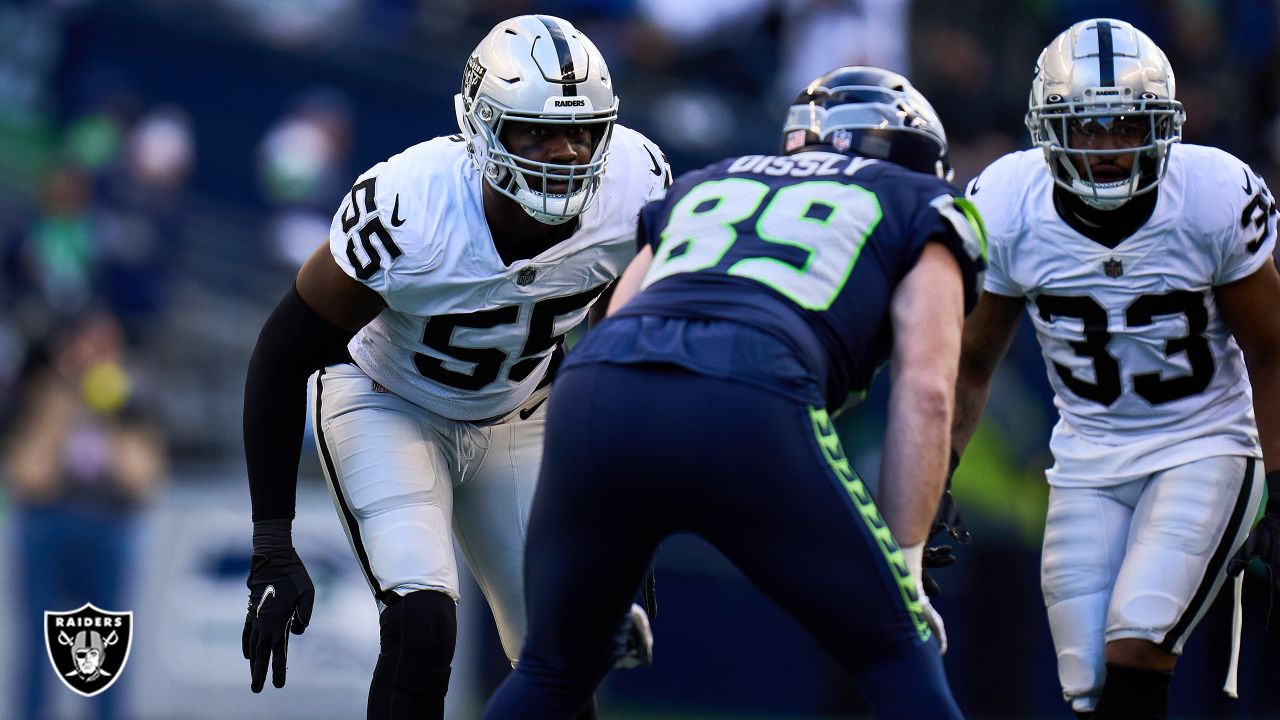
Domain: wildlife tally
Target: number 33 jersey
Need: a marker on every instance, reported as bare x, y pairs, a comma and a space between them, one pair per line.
1145, 372
465, 335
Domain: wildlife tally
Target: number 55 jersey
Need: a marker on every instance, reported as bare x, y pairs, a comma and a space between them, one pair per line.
464, 334
802, 254
1145, 372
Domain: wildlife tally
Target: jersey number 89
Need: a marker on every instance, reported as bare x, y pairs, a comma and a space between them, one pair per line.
828, 220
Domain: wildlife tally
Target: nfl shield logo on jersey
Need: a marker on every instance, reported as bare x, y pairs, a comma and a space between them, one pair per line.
526, 275
1112, 267
88, 647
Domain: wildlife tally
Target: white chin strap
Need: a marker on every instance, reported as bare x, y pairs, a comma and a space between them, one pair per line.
552, 209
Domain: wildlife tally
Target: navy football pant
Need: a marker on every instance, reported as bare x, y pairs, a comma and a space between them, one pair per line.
636, 453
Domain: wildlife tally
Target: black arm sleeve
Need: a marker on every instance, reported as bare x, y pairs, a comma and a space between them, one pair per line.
294, 342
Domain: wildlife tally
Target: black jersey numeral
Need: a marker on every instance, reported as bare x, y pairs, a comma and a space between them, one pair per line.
1142, 311
1106, 371
1194, 345
1255, 213
372, 230
540, 337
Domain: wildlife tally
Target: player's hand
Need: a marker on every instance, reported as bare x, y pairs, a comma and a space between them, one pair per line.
1263, 542
280, 600
946, 520
932, 617
637, 650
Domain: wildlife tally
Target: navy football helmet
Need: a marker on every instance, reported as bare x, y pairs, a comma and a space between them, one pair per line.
874, 113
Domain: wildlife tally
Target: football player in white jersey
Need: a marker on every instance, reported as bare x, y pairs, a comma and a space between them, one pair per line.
435, 316
1145, 267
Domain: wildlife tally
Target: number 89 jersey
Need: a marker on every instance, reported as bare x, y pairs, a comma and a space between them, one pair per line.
464, 335
1146, 374
808, 248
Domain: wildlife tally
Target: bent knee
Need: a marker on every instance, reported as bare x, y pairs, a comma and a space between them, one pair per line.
1139, 653
422, 624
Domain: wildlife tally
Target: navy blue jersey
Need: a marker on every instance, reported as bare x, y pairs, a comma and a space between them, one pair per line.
807, 249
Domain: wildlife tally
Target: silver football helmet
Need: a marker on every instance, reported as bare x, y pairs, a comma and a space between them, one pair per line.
867, 111
1104, 78
537, 69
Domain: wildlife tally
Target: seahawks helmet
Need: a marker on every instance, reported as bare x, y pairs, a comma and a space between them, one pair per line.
537, 69
874, 113
1094, 75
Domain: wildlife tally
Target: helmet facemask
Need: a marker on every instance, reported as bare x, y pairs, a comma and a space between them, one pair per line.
1070, 134
529, 182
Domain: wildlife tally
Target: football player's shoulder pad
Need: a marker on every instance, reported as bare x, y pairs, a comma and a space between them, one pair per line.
1216, 187
1000, 192
637, 165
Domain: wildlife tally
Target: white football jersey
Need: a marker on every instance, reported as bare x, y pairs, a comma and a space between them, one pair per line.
1146, 374
464, 335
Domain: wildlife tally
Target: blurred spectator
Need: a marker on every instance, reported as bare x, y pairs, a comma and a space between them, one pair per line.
818, 35
56, 255
81, 462
142, 223
302, 163
31, 48
293, 23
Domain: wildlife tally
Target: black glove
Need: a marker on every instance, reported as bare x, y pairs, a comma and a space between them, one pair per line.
948, 517
934, 557
947, 520
1263, 542
280, 600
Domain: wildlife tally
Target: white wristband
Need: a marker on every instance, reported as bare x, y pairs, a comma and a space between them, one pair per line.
914, 555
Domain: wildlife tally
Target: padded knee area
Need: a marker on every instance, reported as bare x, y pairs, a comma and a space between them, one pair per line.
419, 632
1141, 612
1077, 625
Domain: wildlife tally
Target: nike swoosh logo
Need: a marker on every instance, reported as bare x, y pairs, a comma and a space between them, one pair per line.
269, 592
973, 190
1248, 184
657, 169
524, 414
396, 220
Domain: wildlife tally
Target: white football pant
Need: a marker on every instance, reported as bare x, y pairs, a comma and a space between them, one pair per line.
407, 482
1141, 559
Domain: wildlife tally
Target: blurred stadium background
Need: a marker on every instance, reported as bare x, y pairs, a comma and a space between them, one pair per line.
170, 162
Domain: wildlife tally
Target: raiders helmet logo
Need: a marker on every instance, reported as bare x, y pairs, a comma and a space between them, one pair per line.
471, 77
88, 647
